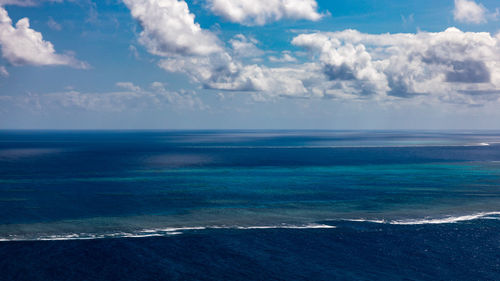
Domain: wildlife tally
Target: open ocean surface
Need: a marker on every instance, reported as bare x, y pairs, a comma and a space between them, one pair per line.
249, 205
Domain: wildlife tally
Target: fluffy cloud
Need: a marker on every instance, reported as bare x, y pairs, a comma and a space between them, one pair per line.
169, 31
169, 28
260, 12
450, 66
271, 82
407, 65
22, 45
245, 47
131, 98
471, 12
286, 56
222, 72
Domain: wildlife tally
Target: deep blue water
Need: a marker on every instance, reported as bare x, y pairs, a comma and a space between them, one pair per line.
249, 205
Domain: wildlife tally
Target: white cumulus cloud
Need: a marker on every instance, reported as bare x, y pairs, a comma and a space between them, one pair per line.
469, 11
245, 47
170, 29
450, 66
260, 12
22, 45
286, 56
449, 63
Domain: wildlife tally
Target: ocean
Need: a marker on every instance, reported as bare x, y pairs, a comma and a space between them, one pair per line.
249, 205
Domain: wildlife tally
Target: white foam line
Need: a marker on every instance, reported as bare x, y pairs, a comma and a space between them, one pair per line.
173, 229
345, 146
309, 226
363, 220
445, 220
161, 232
450, 219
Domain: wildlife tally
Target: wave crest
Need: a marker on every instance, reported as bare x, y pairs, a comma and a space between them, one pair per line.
160, 232
448, 219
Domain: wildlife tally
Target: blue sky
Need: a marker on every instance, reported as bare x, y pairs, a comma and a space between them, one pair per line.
274, 64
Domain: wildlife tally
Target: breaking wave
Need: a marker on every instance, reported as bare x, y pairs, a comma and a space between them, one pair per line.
448, 219
170, 231
161, 232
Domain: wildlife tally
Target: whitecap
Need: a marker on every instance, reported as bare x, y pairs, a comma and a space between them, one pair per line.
308, 226
160, 232
442, 220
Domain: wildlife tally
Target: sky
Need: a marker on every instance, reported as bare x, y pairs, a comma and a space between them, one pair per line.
260, 64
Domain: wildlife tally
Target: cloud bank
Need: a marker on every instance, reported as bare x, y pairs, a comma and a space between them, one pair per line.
406, 65
450, 66
129, 98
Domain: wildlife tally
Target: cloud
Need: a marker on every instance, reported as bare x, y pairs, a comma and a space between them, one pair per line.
468, 71
169, 29
128, 86
52, 24
407, 65
131, 98
408, 20
245, 47
22, 45
134, 52
285, 57
26, 2
188, 49
449, 66
353, 65
260, 12
3, 71
470, 12
170, 32
223, 72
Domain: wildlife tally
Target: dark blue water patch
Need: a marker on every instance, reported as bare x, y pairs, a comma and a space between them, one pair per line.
30, 155
353, 251
69, 152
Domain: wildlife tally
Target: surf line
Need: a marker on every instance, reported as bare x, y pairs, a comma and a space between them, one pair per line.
160, 232
448, 219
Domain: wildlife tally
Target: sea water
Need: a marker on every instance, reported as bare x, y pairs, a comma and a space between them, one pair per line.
215, 205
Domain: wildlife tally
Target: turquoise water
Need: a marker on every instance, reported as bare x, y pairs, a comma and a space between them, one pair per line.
122, 184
